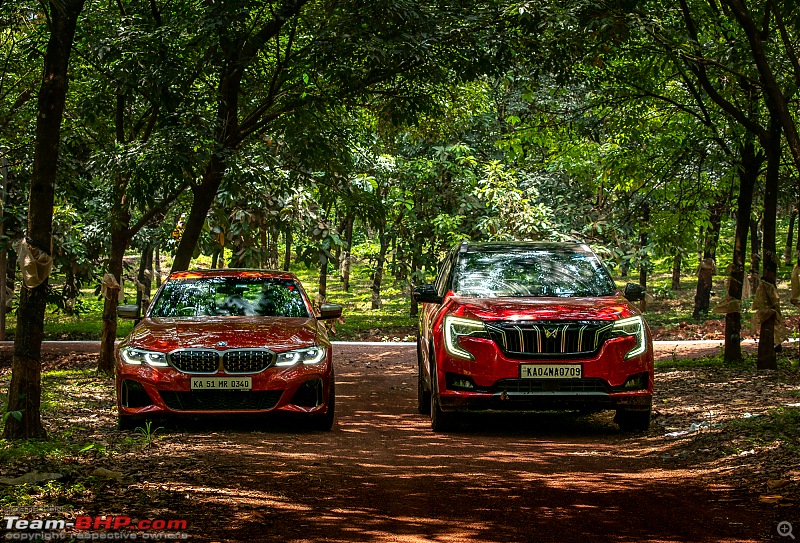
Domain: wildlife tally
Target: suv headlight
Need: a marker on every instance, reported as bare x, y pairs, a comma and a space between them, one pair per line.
137, 357
309, 355
632, 326
457, 327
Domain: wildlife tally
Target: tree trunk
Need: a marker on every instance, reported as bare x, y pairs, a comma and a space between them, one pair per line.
377, 277
144, 276
643, 226
287, 255
323, 276
3, 248
157, 265
755, 254
767, 359
787, 252
415, 265
702, 298
25, 391
108, 336
676, 270
203, 198
346, 256
748, 174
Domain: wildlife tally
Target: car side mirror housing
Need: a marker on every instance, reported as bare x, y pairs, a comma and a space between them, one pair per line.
330, 311
130, 311
427, 294
634, 292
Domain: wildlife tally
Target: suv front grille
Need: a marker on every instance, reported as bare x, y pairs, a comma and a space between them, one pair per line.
233, 361
550, 339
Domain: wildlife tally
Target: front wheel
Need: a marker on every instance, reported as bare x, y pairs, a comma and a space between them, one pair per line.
633, 421
440, 420
423, 396
325, 422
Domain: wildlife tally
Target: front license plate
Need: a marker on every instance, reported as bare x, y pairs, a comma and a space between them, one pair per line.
550, 371
222, 383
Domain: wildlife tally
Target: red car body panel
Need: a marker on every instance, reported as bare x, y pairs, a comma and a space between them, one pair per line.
223, 333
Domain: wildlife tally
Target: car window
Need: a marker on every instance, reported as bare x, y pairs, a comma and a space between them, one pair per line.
230, 296
444, 275
531, 273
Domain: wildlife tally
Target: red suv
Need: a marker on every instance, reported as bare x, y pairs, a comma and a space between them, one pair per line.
531, 326
227, 342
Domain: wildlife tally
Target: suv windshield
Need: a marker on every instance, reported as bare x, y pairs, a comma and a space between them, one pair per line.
230, 296
531, 273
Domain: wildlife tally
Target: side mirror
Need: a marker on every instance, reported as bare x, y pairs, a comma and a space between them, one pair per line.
130, 311
330, 311
427, 294
634, 292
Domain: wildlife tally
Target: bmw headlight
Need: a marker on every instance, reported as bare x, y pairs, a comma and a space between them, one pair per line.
633, 327
309, 355
457, 327
137, 357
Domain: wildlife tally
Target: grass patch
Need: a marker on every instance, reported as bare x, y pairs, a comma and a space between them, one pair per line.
748, 362
778, 426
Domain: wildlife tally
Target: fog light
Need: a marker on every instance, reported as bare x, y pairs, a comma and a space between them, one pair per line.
459, 382
636, 382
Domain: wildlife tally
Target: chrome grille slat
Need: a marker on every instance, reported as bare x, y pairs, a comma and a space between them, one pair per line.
543, 339
195, 361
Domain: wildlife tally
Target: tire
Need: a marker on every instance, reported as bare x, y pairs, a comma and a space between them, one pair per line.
633, 421
440, 421
324, 422
423, 396
127, 422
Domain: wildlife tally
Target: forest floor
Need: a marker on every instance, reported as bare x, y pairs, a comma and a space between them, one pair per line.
719, 464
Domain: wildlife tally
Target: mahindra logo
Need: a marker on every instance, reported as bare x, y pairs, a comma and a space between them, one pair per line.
550, 333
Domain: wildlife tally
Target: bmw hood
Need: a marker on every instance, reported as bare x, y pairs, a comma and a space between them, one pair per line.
277, 334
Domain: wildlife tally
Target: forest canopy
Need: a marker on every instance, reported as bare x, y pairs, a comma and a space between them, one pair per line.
260, 133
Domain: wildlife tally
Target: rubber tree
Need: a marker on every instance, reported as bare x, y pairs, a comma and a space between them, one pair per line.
23, 415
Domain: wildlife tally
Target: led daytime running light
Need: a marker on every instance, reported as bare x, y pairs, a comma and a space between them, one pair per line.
137, 357
456, 327
309, 355
632, 326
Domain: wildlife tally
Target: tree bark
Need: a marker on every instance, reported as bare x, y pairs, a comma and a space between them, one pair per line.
119, 244
25, 391
748, 174
677, 261
787, 252
412, 281
346, 252
145, 276
377, 277
702, 298
767, 359
287, 255
323, 276
643, 227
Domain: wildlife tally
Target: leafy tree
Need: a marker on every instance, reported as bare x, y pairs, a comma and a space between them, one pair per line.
23, 419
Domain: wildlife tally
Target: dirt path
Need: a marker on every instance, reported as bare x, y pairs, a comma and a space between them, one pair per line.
382, 475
